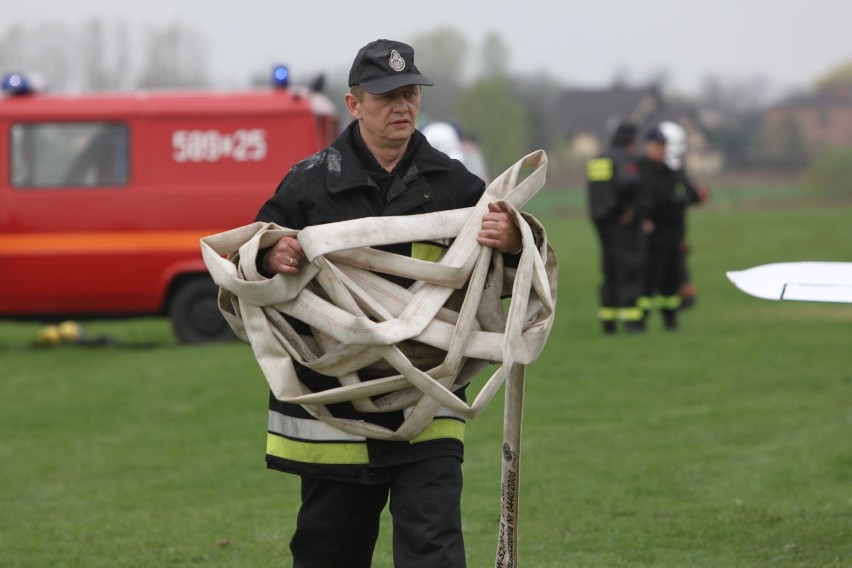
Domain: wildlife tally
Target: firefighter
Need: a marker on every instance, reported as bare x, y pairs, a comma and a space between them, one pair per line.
670, 192
618, 208
675, 158
380, 165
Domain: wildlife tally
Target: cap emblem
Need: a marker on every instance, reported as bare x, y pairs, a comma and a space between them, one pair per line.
396, 62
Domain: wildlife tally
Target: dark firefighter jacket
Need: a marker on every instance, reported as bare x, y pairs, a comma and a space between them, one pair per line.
340, 183
670, 193
613, 185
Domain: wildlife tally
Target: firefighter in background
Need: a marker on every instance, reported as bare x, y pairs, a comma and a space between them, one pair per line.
675, 160
447, 138
671, 192
618, 209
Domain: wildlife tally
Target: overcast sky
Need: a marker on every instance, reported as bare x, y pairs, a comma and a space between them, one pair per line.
788, 43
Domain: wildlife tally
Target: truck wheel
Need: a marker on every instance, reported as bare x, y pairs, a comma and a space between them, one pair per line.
195, 315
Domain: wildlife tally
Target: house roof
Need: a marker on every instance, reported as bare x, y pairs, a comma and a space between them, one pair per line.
597, 111
840, 96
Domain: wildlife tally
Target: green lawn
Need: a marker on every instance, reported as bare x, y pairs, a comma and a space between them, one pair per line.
726, 444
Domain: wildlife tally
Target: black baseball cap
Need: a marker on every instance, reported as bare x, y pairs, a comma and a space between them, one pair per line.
384, 65
655, 135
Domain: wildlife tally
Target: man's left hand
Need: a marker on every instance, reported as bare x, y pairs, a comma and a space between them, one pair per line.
499, 230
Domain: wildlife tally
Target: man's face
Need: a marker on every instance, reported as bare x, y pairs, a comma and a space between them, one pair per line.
655, 151
389, 118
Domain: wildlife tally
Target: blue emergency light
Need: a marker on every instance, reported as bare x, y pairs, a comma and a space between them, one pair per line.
16, 84
280, 76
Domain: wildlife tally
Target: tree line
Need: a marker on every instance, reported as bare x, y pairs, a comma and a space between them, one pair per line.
97, 57
508, 114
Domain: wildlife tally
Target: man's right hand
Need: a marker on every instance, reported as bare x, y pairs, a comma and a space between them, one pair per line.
284, 257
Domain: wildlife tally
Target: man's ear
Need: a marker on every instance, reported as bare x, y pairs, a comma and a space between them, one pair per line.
353, 105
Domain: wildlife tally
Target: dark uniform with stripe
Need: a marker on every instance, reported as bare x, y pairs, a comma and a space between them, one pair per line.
346, 478
671, 192
617, 208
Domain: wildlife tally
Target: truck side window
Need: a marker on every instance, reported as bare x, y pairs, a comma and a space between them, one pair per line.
69, 154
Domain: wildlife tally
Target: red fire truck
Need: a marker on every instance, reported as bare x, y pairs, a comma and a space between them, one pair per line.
104, 197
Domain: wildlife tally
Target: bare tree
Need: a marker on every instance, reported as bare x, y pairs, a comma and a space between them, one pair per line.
92, 60
13, 50
176, 57
492, 112
539, 94
441, 56
104, 56
495, 56
41, 52
733, 112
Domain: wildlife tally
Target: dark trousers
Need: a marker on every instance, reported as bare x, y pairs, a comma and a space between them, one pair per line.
665, 264
664, 274
338, 522
622, 263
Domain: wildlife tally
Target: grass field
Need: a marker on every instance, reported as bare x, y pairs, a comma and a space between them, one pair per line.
725, 444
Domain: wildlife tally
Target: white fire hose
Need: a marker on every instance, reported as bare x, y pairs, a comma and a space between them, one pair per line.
431, 338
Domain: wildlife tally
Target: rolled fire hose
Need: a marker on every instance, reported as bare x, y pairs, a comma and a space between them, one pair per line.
422, 342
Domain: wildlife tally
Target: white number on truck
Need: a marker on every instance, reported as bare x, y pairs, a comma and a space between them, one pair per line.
244, 145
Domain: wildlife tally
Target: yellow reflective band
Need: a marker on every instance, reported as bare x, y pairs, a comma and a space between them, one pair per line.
349, 453
423, 251
599, 169
607, 314
441, 428
667, 302
630, 314
315, 452
644, 303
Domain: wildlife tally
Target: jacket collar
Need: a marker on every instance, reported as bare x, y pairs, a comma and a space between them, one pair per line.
352, 173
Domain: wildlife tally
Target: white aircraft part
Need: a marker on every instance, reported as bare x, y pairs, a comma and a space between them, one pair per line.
802, 281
